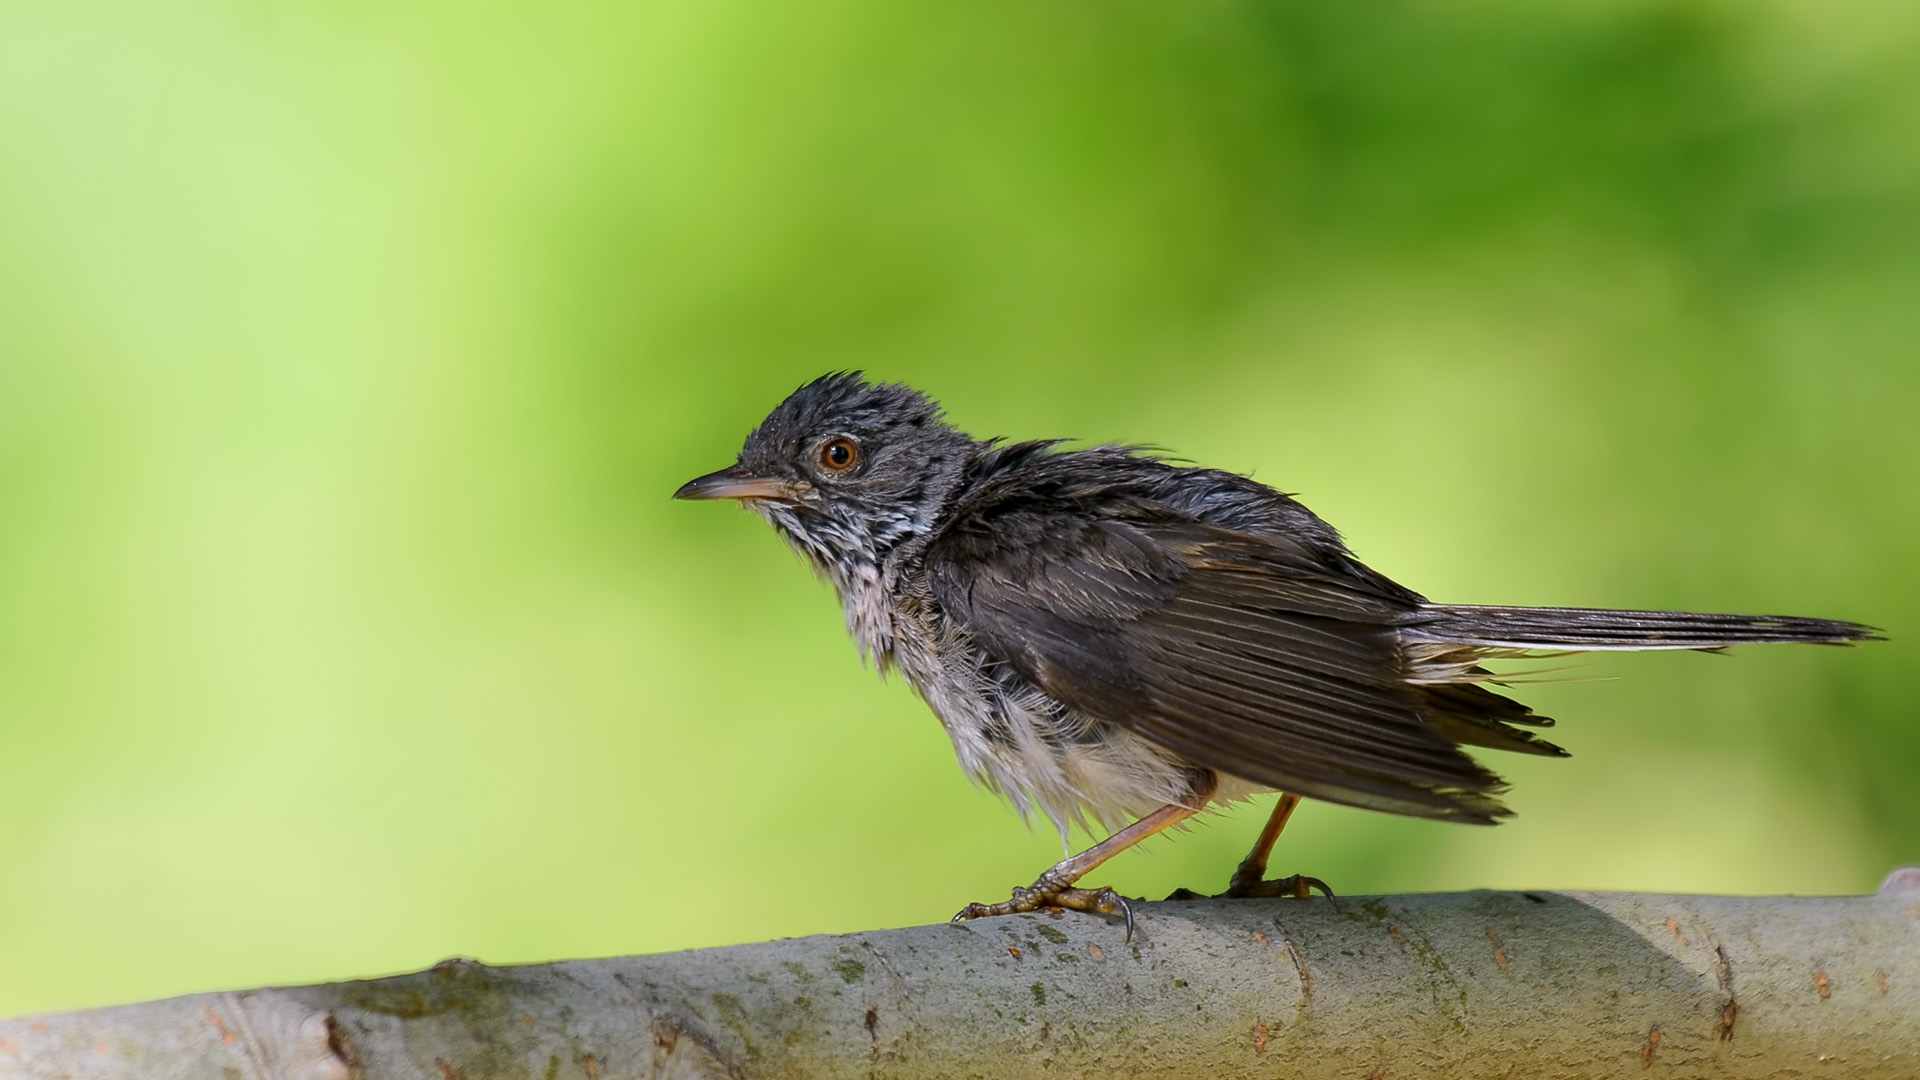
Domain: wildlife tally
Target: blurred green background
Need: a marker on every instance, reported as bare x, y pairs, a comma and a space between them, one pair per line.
350, 351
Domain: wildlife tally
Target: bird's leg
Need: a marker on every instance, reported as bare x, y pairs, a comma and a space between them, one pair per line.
1253, 869
1250, 878
1055, 887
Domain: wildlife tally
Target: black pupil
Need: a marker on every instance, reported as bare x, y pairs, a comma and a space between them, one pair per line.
839, 455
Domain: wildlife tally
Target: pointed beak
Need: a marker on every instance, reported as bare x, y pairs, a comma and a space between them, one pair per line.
734, 483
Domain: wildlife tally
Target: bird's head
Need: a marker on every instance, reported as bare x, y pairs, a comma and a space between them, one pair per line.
846, 469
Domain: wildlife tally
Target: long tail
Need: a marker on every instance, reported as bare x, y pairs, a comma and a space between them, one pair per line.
1589, 629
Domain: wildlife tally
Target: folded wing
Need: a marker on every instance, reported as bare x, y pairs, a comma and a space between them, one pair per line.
1245, 653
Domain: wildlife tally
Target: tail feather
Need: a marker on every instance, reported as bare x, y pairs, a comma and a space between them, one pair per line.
1445, 644
1593, 629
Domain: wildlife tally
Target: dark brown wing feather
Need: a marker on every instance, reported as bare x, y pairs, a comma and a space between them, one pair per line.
1247, 654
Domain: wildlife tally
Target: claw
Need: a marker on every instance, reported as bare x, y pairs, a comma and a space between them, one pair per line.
1046, 895
1298, 886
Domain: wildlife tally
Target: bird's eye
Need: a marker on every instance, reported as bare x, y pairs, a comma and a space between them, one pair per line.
838, 455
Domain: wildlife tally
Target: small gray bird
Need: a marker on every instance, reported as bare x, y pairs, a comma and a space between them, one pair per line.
1111, 638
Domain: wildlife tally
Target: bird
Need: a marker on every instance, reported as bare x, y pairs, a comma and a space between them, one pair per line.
1112, 638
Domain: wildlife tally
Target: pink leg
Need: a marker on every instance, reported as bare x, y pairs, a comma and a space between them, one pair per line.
1055, 887
1250, 878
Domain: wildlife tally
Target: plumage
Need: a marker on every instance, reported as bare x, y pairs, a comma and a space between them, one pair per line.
1107, 636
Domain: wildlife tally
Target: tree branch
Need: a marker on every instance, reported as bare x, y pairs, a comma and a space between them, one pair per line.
1469, 985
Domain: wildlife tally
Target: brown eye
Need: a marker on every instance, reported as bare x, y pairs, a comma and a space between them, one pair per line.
839, 455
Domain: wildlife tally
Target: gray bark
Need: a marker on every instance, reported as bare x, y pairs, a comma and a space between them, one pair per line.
1458, 985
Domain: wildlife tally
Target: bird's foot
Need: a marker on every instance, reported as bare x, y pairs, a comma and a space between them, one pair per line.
1046, 893
1298, 886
